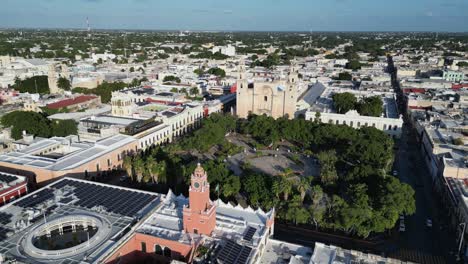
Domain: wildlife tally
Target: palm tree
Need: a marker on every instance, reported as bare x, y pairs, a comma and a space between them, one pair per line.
139, 167
303, 186
128, 165
287, 188
157, 170
276, 187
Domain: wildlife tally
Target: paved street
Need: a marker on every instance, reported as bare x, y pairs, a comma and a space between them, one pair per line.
418, 237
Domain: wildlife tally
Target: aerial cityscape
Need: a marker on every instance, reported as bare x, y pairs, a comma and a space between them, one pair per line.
269, 132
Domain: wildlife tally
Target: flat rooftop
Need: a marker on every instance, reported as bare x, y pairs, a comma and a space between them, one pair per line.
81, 154
8, 180
110, 120
114, 209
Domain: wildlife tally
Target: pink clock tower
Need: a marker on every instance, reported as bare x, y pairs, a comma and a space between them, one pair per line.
200, 215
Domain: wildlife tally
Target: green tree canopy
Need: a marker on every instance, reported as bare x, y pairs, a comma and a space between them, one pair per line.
370, 106
37, 124
35, 84
171, 78
343, 102
64, 84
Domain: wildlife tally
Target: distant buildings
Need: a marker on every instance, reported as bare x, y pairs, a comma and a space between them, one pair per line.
453, 76
226, 50
76, 103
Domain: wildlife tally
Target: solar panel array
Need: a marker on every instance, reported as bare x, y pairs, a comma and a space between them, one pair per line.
115, 200
5, 218
249, 233
35, 199
7, 178
3, 233
233, 253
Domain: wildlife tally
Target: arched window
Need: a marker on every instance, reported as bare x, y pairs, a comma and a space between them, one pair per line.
359, 124
395, 128
385, 126
351, 124
158, 250
167, 252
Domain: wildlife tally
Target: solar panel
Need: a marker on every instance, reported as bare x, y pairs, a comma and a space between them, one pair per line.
233, 253
115, 200
5, 218
249, 233
7, 178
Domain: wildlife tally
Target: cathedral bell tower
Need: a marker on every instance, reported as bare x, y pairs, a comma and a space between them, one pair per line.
200, 215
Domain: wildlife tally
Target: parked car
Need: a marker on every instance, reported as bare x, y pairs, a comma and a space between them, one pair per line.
395, 173
429, 222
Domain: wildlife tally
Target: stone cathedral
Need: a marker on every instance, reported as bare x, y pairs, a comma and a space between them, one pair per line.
275, 98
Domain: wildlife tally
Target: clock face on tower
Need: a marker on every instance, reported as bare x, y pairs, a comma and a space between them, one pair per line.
196, 185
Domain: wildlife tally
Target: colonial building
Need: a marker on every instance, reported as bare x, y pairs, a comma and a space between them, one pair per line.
391, 126
273, 97
180, 226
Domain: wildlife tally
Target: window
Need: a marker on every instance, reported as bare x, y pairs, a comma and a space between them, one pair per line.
167, 252
395, 128
265, 98
385, 126
158, 250
143, 247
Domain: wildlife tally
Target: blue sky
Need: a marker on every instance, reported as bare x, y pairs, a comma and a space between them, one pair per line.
281, 15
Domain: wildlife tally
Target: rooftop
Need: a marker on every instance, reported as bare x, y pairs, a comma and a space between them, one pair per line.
72, 101
112, 209
8, 180
73, 154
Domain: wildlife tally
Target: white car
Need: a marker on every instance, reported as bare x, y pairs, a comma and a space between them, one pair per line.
402, 227
395, 173
428, 222
402, 218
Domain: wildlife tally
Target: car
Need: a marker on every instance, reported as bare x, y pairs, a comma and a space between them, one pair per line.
402, 227
402, 218
124, 178
395, 173
428, 222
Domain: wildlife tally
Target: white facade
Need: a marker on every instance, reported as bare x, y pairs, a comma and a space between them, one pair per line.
226, 50
390, 126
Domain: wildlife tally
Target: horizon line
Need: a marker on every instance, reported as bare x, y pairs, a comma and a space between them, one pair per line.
233, 31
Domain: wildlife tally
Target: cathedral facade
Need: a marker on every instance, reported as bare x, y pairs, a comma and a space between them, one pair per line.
275, 98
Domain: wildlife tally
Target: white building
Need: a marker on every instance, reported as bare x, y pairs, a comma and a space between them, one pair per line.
391, 126
226, 50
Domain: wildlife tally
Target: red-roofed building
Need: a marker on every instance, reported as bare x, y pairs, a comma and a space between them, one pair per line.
414, 90
79, 102
459, 86
12, 187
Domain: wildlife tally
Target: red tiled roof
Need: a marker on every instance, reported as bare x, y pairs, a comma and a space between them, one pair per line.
414, 90
67, 102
